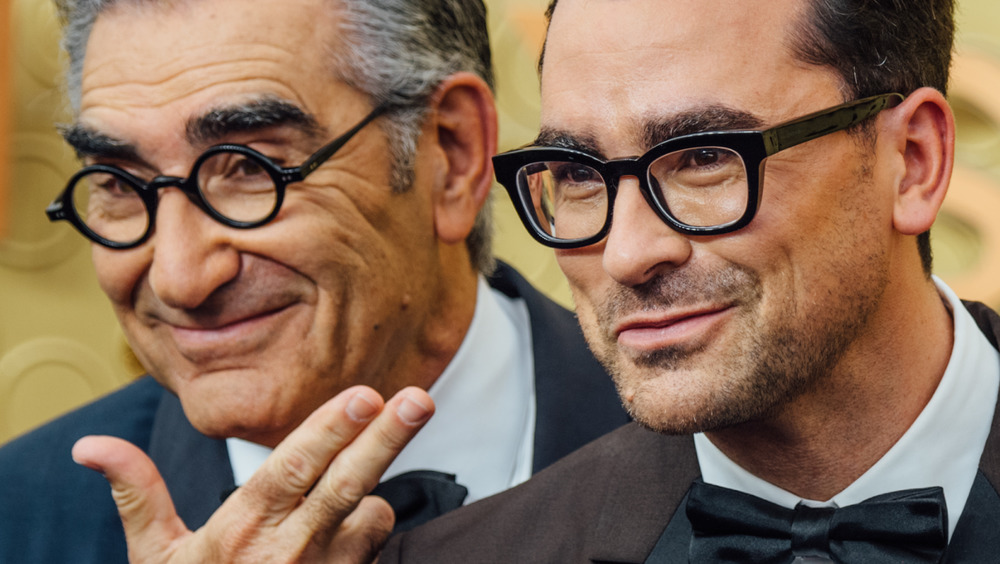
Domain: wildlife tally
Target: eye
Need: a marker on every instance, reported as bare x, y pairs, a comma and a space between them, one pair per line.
705, 157
109, 185
573, 173
241, 166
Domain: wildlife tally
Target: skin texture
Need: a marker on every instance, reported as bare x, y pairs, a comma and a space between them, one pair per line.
351, 283
811, 335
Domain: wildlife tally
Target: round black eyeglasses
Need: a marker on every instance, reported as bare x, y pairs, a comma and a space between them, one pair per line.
700, 184
234, 184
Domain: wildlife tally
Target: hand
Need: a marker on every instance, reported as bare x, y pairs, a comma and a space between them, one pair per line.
307, 503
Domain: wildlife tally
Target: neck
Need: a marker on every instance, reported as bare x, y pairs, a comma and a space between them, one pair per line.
818, 444
447, 316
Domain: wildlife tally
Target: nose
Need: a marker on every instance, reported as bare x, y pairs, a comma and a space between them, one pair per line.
640, 245
193, 254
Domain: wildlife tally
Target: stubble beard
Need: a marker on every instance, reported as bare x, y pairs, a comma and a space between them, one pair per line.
764, 366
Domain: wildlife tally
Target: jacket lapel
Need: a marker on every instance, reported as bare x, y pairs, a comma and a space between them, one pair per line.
977, 535
195, 468
646, 481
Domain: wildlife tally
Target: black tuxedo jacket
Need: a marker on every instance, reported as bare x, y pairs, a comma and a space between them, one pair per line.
53, 511
612, 500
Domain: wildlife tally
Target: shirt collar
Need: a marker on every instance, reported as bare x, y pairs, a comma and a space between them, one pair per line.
941, 448
483, 426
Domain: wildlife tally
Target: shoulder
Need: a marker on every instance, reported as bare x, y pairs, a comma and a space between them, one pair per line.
52, 509
564, 513
543, 310
987, 320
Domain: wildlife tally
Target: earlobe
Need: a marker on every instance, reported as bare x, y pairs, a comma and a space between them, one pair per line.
466, 123
926, 128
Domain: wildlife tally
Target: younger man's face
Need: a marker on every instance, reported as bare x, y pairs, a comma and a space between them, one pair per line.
707, 332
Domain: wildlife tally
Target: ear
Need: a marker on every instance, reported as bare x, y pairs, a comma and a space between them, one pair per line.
926, 137
466, 121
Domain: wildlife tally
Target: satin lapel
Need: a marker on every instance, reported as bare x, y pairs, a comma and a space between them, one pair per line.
989, 324
575, 398
674, 545
196, 468
977, 535
646, 484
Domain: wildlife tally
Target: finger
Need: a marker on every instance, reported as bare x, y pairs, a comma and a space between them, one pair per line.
148, 516
360, 536
356, 470
298, 462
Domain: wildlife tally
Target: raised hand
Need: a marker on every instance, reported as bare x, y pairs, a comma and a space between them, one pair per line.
307, 503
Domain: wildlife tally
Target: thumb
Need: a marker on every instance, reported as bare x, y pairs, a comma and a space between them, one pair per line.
152, 527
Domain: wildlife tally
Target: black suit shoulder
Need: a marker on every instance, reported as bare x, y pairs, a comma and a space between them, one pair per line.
42, 490
570, 512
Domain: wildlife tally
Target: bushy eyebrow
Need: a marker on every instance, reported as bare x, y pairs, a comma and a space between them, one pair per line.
565, 140
654, 131
209, 129
89, 142
711, 118
214, 126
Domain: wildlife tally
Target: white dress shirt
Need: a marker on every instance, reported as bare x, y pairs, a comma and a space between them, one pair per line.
483, 426
941, 448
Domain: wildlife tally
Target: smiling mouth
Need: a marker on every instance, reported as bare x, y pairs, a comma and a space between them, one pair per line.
233, 337
653, 333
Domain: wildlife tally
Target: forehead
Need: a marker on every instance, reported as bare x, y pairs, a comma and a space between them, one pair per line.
183, 57
612, 66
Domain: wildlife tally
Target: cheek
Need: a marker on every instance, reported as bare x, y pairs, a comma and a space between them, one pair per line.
118, 271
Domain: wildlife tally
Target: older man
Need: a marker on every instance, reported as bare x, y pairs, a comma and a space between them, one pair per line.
287, 199
741, 194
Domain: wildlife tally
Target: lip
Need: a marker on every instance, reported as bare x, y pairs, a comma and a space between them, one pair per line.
649, 332
228, 337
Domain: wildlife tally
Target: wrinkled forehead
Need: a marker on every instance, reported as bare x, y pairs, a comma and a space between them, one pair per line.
613, 66
156, 43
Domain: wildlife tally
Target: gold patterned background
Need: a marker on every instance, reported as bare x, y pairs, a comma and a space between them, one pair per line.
60, 345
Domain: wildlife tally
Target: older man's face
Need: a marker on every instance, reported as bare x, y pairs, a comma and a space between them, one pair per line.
255, 328
706, 332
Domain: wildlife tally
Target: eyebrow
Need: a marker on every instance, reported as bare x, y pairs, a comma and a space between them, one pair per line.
208, 129
89, 142
711, 118
257, 115
655, 131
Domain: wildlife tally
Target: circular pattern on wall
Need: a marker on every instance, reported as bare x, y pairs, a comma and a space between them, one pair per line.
41, 166
45, 377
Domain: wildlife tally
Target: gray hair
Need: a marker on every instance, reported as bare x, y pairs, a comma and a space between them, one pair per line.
395, 51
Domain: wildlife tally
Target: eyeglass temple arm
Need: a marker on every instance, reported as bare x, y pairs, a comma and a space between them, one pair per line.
825, 122
327, 151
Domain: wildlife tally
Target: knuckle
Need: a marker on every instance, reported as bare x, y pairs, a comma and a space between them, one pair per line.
391, 436
347, 490
297, 469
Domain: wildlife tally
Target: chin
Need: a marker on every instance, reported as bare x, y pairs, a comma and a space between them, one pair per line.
680, 403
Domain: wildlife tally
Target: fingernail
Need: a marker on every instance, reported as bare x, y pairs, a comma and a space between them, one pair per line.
412, 412
360, 409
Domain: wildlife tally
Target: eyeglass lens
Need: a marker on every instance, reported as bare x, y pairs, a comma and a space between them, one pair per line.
699, 187
110, 206
236, 185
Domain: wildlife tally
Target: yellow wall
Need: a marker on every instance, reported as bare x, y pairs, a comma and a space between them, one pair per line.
60, 344
6, 107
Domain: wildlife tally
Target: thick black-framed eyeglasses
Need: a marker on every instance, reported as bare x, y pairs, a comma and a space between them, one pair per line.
234, 184
700, 184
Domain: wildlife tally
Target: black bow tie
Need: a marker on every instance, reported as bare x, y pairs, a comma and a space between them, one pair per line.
419, 496
731, 526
